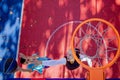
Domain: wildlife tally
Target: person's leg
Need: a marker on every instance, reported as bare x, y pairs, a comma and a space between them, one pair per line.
61, 61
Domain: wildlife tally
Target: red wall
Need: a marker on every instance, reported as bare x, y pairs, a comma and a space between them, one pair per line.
42, 17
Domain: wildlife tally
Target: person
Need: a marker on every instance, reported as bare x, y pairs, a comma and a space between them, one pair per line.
10, 65
68, 60
36, 63
33, 62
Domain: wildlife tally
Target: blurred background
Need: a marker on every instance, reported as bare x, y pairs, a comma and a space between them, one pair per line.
10, 22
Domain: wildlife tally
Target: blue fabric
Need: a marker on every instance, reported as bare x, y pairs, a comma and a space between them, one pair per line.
42, 58
10, 21
38, 68
2, 62
11, 66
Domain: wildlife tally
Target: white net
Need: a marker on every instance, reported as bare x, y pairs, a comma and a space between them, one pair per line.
97, 42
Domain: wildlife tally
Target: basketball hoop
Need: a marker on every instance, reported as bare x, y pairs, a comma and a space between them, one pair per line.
99, 41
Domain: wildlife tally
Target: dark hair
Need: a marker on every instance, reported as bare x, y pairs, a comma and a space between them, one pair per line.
77, 50
10, 65
72, 66
22, 60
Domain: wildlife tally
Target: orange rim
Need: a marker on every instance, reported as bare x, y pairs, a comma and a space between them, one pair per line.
118, 39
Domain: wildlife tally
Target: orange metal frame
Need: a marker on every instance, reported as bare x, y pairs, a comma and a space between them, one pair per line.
96, 73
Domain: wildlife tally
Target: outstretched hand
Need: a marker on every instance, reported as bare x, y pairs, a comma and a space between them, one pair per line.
22, 55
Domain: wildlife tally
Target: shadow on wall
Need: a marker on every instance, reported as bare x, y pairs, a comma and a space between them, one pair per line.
42, 17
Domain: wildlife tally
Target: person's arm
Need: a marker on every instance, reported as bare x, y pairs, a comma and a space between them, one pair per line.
85, 58
61, 61
24, 70
81, 56
22, 55
35, 56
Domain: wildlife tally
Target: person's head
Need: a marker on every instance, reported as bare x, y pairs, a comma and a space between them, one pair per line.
10, 66
70, 56
24, 60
